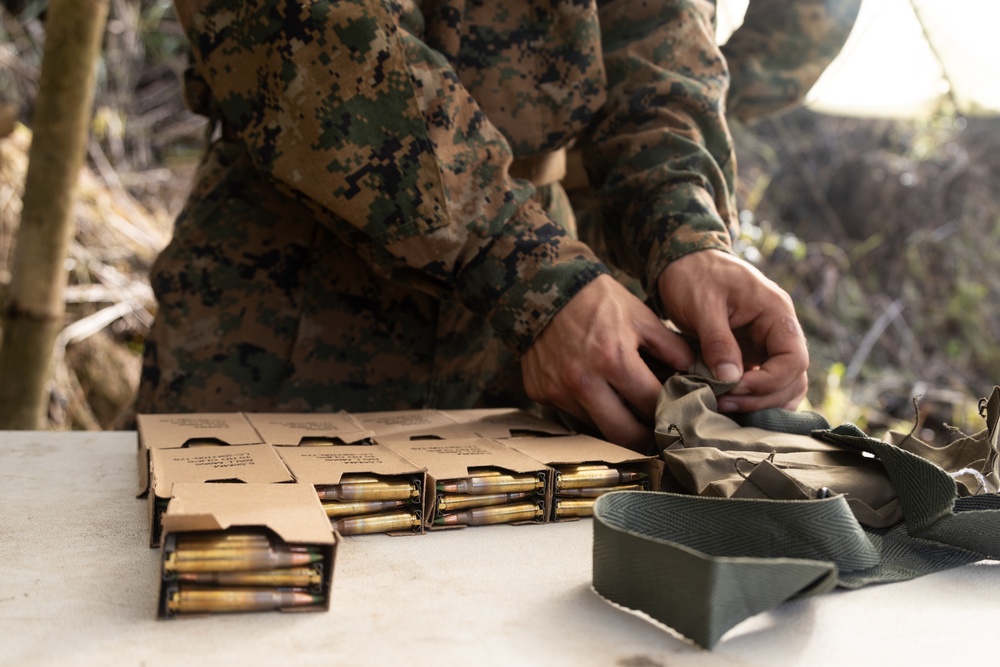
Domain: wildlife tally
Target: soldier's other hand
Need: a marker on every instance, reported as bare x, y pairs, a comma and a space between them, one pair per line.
746, 326
586, 362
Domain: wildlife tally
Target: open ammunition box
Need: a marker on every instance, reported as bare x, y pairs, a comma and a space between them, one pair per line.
477, 481
584, 468
173, 431
363, 488
200, 449
245, 547
406, 424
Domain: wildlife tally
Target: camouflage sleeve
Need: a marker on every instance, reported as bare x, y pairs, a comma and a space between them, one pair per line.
352, 114
780, 51
661, 151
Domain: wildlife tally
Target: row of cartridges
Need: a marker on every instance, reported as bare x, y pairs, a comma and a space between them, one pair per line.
362, 504
233, 571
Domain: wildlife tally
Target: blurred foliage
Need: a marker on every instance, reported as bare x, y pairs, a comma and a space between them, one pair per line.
140, 123
885, 234
143, 147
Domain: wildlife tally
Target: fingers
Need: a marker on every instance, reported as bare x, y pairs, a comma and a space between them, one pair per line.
615, 420
713, 295
666, 346
638, 373
719, 349
596, 396
587, 362
782, 380
624, 406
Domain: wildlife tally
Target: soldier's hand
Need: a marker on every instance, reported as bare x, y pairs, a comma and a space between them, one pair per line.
586, 362
746, 326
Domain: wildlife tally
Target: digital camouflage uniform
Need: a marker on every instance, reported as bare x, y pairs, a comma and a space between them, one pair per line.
361, 237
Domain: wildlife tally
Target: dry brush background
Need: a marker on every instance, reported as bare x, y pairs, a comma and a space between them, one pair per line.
885, 232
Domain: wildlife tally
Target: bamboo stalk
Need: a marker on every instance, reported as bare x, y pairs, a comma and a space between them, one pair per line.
35, 308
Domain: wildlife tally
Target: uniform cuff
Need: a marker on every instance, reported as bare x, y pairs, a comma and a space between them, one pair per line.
526, 278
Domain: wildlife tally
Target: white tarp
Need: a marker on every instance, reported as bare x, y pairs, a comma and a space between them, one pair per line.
898, 65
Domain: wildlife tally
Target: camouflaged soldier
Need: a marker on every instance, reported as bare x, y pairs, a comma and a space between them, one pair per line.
366, 233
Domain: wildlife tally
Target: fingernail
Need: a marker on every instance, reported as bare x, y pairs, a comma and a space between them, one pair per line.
727, 373
727, 406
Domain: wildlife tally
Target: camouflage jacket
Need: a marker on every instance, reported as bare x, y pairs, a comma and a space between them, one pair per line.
396, 124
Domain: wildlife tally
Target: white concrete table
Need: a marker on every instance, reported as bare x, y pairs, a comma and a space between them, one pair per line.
78, 586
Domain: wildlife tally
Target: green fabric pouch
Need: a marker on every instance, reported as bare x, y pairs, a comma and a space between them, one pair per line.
781, 506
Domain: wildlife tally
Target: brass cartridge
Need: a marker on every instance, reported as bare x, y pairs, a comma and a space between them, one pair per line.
336, 510
482, 516
452, 502
575, 477
595, 491
571, 507
237, 560
353, 489
213, 540
378, 523
292, 577
484, 484
186, 600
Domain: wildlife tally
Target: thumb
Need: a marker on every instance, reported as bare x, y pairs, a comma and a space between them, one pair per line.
719, 349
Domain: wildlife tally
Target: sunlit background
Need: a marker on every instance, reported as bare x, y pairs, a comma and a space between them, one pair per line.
908, 59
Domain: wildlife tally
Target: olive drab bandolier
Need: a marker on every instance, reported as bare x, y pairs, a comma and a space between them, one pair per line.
782, 506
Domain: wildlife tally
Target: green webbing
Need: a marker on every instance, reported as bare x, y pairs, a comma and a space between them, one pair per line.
702, 564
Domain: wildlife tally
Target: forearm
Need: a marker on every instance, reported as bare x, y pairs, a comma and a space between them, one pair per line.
661, 153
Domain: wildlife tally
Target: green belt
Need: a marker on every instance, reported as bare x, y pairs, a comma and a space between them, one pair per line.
703, 564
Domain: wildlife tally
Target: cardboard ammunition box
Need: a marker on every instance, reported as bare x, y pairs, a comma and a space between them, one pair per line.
323, 466
176, 431
574, 450
449, 460
289, 515
287, 429
251, 464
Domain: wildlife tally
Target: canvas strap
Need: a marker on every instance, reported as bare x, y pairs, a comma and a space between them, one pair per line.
703, 564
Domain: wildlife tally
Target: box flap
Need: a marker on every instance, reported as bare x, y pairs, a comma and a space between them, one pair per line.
326, 465
251, 464
292, 429
404, 423
293, 511
505, 423
573, 449
167, 431
451, 459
